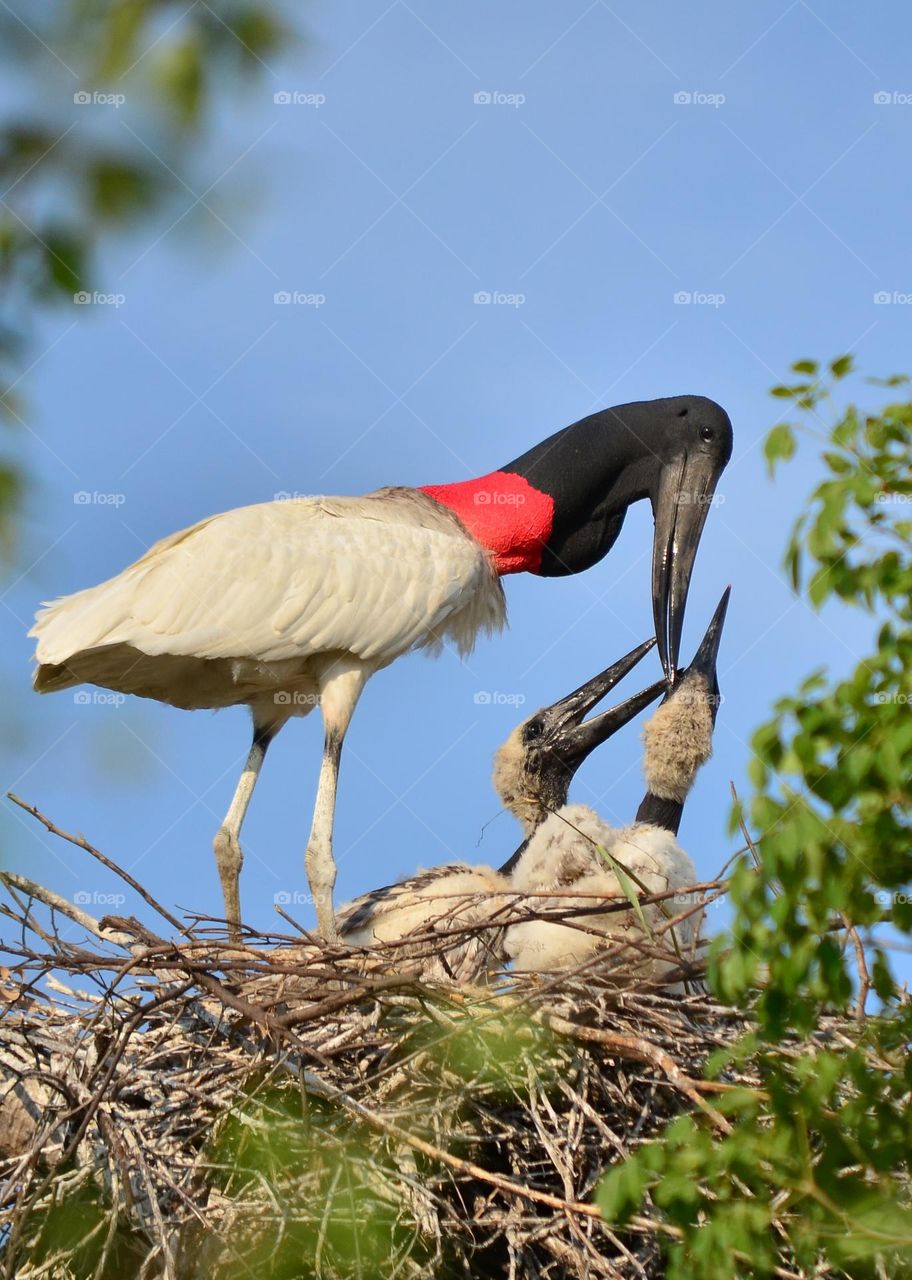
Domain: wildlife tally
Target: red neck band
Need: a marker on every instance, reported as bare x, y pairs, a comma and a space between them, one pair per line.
505, 514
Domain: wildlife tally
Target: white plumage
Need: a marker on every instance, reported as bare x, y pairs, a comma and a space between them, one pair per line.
277, 583
576, 860
451, 912
449, 922
575, 852
442, 924
280, 606
564, 862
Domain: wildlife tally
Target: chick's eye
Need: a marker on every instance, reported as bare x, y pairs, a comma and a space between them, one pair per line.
707, 434
533, 730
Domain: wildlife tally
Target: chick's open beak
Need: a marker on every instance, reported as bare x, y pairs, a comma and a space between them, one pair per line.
573, 738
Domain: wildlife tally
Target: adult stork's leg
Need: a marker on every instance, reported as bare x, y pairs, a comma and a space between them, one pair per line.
227, 842
340, 689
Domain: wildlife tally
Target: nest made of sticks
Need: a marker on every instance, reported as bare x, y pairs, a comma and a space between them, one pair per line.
183, 1108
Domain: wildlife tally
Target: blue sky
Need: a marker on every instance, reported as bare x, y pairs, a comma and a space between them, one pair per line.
586, 163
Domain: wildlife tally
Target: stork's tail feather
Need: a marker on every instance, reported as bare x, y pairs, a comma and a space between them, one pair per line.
52, 676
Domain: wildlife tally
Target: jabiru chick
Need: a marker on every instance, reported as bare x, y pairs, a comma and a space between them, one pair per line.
574, 853
443, 922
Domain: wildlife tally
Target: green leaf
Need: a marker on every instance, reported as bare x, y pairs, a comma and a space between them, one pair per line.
841, 366
629, 890
620, 1192
181, 72
881, 976
65, 261
837, 462
805, 366
120, 189
259, 33
779, 444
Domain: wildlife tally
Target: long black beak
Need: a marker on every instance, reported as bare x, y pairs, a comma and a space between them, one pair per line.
680, 507
572, 738
704, 660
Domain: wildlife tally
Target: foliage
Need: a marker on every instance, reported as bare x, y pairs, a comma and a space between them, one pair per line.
825, 1141
113, 104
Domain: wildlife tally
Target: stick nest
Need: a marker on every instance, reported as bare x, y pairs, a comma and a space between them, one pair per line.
180, 1107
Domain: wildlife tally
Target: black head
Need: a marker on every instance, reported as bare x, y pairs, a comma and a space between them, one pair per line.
671, 451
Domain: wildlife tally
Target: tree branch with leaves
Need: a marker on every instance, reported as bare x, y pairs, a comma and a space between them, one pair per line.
824, 1146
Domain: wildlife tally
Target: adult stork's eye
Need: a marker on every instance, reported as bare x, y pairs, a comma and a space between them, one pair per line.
707, 434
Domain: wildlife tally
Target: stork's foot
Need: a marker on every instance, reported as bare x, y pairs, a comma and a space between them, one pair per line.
229, 859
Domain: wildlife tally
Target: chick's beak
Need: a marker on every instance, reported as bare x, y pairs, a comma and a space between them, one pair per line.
680, 506
572, 737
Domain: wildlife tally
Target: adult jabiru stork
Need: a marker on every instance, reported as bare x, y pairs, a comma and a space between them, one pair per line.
574, 854
284, 605
444, 922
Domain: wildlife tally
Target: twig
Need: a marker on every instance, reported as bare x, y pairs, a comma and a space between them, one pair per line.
53, 900
861, 960
744, 831
81, 843
641, 1051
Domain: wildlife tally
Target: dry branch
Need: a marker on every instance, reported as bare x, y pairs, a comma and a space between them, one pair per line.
185, 1108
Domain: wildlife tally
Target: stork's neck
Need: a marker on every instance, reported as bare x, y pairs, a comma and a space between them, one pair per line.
659, 812
558, 508
513, 861
505, 513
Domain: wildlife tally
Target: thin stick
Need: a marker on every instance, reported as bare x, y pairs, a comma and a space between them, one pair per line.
861, 960
744, 831
81, 843
56, 903
641, 1051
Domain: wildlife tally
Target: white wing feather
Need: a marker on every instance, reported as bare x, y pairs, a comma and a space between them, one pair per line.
374, 576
